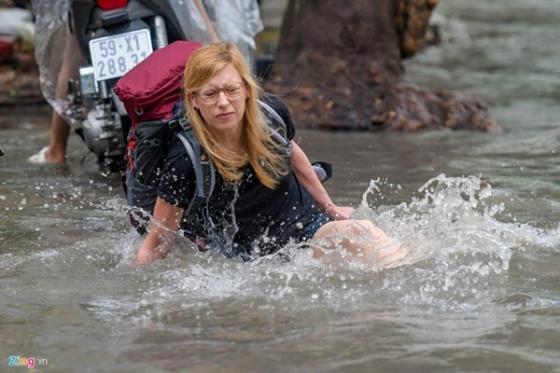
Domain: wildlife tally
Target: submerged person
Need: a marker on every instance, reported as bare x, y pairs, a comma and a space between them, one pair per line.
264, 197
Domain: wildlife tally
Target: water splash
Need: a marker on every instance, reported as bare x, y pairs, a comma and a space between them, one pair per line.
450, 216
461, 241
459, 233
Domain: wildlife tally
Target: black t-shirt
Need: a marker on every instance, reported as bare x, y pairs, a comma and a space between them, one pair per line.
251, 216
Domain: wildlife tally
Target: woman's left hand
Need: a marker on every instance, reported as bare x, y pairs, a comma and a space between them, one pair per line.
339, 212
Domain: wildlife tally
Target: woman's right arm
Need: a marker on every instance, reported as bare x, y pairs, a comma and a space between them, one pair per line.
166, 222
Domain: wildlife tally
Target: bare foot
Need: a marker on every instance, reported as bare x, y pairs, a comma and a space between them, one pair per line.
45, 155
53, 156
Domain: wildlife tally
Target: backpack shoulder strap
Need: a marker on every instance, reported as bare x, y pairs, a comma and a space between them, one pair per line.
269, 111
204, 170
273, 117
323, 170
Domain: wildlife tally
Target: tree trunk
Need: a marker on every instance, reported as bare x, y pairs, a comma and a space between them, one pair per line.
339, 66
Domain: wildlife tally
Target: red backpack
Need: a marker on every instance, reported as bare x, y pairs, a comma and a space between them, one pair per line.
152, 88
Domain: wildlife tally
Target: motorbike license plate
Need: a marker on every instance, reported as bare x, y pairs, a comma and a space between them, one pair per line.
112, 56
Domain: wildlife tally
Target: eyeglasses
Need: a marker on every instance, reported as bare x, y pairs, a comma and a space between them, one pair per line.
232, 91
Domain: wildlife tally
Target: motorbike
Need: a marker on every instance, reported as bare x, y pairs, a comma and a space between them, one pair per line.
113, 36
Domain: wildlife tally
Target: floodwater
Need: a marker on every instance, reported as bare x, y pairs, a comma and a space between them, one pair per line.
480, 213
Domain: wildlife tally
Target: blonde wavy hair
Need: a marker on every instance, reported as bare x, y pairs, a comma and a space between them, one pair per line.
260, 151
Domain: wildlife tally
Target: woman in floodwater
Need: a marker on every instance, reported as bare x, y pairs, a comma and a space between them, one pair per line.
264, 196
